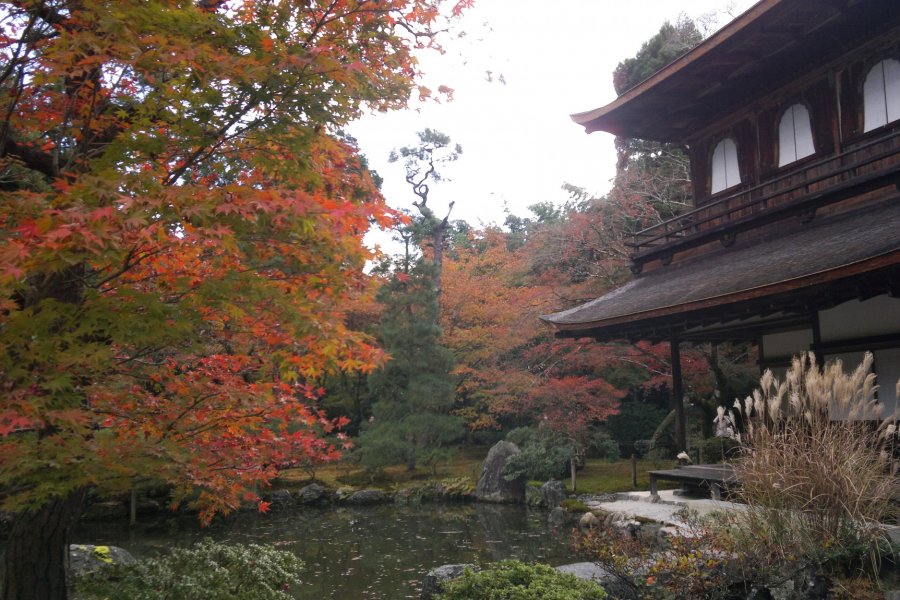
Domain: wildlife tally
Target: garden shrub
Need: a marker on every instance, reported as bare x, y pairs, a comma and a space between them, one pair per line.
206, 570
605, 446
542, 455
717, 449
515, 580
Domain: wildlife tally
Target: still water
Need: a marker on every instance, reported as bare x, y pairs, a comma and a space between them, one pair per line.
378, 552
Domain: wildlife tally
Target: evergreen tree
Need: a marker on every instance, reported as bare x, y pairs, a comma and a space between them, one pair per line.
413, 393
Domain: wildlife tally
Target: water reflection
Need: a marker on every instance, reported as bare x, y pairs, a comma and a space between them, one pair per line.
378, 552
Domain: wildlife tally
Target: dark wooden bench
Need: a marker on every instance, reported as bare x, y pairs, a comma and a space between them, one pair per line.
714, 477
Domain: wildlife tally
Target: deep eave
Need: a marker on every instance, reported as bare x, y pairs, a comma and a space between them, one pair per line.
774, 41
828, 261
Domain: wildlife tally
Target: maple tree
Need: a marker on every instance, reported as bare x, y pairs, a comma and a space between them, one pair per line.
180, 222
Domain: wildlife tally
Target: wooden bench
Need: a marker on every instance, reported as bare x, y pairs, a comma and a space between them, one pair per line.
712, 476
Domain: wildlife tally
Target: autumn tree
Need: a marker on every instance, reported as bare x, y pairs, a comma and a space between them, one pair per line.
180, 224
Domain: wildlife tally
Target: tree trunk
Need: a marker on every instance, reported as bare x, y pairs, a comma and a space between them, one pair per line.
37, 552
438, 242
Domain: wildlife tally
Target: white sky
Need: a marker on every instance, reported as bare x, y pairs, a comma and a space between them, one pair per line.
519, 143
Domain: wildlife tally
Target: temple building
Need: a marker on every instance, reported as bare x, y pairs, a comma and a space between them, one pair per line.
790, 115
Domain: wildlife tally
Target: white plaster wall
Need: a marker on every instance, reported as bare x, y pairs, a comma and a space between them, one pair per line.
786, 344
877, 316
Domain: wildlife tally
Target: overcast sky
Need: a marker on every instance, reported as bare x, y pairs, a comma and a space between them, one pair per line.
520, 70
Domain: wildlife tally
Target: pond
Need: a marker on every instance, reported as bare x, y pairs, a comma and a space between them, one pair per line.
377, 552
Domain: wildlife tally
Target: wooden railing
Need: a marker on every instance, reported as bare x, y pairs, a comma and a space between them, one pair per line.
798, 192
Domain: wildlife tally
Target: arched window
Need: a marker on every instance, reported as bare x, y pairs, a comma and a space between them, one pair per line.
881, 94
795, 140
725, 171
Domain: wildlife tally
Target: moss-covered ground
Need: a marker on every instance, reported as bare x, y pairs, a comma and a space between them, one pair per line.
598, 475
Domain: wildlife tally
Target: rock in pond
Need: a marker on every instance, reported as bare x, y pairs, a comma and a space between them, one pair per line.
367, 497
553, 492
558, 517
279, 499
86, 559
435, 579
492, 486
311, 494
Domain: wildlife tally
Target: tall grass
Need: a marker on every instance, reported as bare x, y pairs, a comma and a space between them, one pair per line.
818, 464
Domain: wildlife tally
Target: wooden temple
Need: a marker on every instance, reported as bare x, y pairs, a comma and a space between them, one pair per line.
791, 117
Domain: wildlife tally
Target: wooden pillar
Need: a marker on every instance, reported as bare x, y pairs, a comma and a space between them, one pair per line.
817, 337
678, 397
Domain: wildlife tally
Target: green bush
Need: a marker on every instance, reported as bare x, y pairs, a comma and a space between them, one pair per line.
206, 570
717, 449
606, 447
515, 580
542, 455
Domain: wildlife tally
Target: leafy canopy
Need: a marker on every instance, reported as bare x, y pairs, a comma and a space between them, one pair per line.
180, 225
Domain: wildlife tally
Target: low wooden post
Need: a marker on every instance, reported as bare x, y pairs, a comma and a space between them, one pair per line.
633, 471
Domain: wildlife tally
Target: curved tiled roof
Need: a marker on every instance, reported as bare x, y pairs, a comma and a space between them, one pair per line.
824, 251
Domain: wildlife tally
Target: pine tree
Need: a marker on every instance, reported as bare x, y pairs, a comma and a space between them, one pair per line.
413, 393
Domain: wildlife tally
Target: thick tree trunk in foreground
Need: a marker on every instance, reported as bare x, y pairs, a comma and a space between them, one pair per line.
34, 565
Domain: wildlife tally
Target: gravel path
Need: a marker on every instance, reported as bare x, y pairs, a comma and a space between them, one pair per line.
640, 505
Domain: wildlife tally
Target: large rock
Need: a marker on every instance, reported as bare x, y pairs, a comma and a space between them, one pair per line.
553, 492
279, 499
588, 521
594, 572
311, 494
85, 559
586, 570
367, 497
435, 579
558, 517
492, 486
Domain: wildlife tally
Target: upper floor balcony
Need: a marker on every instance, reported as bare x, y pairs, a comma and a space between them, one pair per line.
858, 168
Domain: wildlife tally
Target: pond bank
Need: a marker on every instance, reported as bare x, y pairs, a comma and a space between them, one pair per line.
378, 552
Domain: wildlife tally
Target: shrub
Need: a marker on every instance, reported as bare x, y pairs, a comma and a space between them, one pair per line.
605, 446
716, 449
515, 580
206, 570
543, 455
815, 464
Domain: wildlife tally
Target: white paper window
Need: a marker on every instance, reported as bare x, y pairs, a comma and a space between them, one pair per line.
795, 139
725, 172
881, 94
